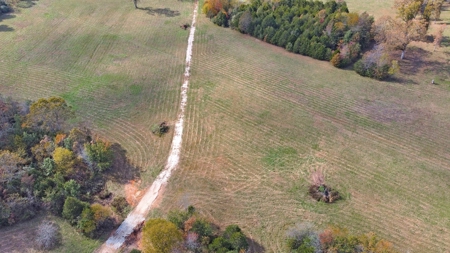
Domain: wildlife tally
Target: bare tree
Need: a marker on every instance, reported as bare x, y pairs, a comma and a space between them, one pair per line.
317, 178
398, 34
438, 36
48, 235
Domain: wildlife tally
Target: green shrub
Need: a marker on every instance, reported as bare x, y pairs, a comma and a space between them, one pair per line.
231, 229
221, 19
220, 244
87, 223
72, 188
202, 228
178, 218
238, 241
100, 155
72, 209
120, 206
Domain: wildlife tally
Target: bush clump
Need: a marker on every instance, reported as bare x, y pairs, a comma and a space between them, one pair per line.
160, 129
120, 206
321, 192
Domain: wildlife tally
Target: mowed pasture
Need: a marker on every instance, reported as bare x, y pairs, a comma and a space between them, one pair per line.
260, 119
120, 68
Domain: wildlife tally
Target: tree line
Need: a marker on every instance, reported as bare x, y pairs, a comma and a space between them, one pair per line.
46, 164
305, 238
188, 231
329, 31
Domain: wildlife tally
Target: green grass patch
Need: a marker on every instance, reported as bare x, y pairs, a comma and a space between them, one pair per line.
280, 158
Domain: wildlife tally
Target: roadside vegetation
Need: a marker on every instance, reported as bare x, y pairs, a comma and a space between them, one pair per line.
48, 165
188, 231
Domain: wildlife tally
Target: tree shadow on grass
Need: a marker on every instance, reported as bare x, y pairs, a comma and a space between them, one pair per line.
5, 28
26, 3
122, 170
445, 41
160, 11
255, 247
6, 16
418, 61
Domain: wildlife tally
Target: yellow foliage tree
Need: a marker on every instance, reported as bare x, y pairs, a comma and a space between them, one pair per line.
371, 243
352, 19
64, 160
101, 213
408, 9
160, 236
59, 138
48, 115
212, 7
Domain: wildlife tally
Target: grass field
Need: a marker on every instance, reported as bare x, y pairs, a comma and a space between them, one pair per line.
120, 68
259, 119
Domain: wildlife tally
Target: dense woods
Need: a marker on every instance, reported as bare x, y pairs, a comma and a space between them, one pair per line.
329, 31
46, 164
316, 29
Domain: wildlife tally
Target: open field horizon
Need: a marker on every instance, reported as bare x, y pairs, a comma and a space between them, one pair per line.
259, 119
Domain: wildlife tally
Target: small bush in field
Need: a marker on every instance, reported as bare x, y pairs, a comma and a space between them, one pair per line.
160, 129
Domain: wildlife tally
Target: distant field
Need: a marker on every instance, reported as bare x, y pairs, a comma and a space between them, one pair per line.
259, 120
377, 8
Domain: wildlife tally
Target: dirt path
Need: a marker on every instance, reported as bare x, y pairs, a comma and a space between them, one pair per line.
137, 216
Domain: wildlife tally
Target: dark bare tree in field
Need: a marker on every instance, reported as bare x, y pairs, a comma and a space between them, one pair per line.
135, 3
